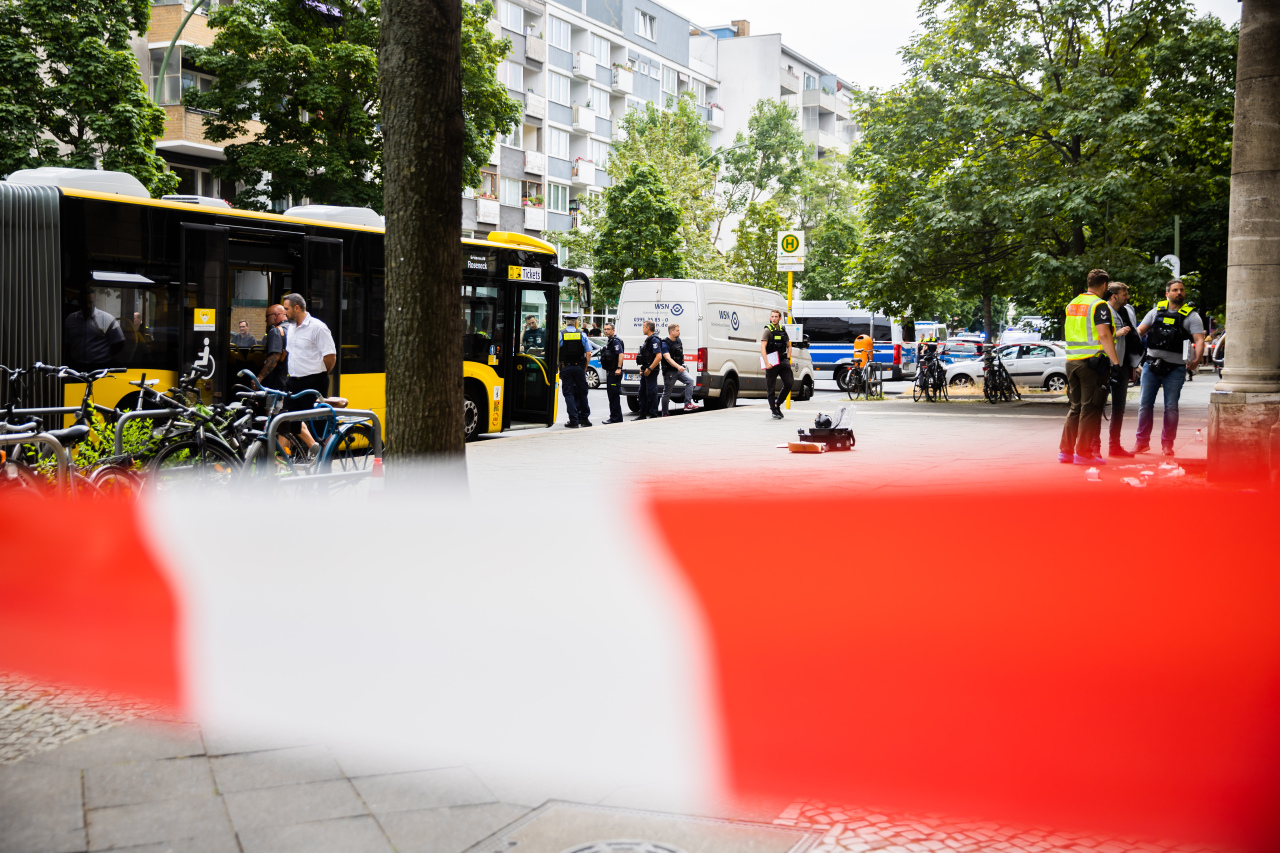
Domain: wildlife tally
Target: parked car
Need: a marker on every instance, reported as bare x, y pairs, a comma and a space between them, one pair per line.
1039, 364
595, 373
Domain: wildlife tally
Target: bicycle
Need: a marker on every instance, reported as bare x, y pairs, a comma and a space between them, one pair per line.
931, 379
997, 384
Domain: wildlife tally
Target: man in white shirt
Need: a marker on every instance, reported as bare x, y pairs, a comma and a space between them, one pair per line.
310, 354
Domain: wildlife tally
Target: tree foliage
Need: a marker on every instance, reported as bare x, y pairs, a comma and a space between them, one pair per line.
1033, 141
639, 234
301, 79
70, 91
766, 161
753, 258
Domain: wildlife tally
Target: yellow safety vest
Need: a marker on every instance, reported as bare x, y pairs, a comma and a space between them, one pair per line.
1082, 337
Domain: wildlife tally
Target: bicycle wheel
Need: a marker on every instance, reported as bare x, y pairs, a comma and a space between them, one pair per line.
990, 390
350, 450
917, 390
116, 481
942, 388
186, 462
258, 463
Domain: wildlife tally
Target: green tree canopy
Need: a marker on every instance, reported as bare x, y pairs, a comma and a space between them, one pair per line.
1033, 141
302, 79
768, 163
70, 91
754, 257
639, 234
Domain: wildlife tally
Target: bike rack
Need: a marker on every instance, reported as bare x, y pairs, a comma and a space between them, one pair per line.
154, 414
59, 452
351, 415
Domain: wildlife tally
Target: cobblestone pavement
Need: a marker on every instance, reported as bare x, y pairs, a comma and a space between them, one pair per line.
34, 718
849, 829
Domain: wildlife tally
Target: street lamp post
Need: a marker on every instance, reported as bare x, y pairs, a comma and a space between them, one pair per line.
168, 52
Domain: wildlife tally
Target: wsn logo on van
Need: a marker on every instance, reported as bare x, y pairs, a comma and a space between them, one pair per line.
732, 318
677, 309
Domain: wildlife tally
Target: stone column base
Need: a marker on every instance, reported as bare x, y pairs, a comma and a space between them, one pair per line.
1244, 437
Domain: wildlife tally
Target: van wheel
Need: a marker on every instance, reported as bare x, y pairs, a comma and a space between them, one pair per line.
806, 389
729, 393
633, 403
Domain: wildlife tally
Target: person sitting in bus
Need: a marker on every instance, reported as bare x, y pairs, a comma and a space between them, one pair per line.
243, 339
90, 336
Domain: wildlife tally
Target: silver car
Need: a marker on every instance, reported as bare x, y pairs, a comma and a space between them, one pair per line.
1032, 364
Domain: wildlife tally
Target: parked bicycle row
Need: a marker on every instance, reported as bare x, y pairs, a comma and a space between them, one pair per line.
176, 436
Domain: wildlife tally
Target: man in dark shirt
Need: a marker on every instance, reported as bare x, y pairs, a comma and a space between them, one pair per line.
275, 371
533, 341
243, 339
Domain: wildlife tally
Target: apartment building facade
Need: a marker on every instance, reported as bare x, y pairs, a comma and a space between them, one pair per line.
577, 66
755, 67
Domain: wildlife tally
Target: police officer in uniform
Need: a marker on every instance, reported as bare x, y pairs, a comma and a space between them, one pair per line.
574, 350
648, 359
611, 363
776, 340
1092, 364
1168, 327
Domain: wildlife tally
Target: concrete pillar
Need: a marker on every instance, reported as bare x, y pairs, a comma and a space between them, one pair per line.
1245, 405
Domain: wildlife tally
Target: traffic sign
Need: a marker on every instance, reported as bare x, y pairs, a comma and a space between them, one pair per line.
790, 244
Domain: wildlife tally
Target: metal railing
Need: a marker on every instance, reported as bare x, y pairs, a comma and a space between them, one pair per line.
153, 414
59, 452
348, 415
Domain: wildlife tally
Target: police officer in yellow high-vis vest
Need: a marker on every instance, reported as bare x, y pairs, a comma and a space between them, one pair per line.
1091, 358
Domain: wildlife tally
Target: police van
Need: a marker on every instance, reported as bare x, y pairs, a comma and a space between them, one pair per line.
832, 327
720, 327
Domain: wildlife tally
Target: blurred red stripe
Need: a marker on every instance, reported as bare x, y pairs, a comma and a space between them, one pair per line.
1021, 653
83, 602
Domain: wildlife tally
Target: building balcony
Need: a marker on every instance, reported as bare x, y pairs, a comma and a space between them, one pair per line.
584, 173
624, 80
535, 105
535, 219
165, 21
584, 120
790, 82
535, 48
584, 65
493, 26
488, 211
824, 101
823, 141
535, 162
715, 118
184, 133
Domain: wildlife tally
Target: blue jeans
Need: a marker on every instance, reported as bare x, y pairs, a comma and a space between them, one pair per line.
1172, 385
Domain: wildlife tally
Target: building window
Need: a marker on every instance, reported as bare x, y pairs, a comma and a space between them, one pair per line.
644, 25
557, 198
170, 91
669, 83
510, 189
559, 32
531, 193
514, 138
700, 92
598, 99
558, 89
511, 74
810, 82
600, 153
512, 16
488, 184
601, 49
557, 143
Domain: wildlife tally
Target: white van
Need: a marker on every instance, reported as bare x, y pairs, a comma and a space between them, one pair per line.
720, 326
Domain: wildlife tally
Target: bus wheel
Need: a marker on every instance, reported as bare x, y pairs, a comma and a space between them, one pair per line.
470, 418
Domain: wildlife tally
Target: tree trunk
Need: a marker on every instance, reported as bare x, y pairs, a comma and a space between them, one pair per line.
986, 315
420, 77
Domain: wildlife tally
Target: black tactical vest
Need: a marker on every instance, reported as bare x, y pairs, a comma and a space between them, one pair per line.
572, 352
1168, 330
776, 341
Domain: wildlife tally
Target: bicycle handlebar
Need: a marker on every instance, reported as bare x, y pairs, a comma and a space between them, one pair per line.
29, 426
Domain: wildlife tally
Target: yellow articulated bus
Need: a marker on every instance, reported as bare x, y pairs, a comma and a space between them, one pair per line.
94, 273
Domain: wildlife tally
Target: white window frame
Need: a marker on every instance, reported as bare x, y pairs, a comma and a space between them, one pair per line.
509, 192
512, 75
558, 198
810, 79
558, 89
559, 33
554, 135
512, 16
670, 75
514, 139
645, 25
700, 92
601, 49
600, 153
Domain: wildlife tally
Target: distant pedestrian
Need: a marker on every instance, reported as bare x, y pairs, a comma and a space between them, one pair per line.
311, 357
274, 373
1172, 329
611, 364
1127, 343
775, 352
1091, 354
595, 330
574, 352
648, 359
673, 370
